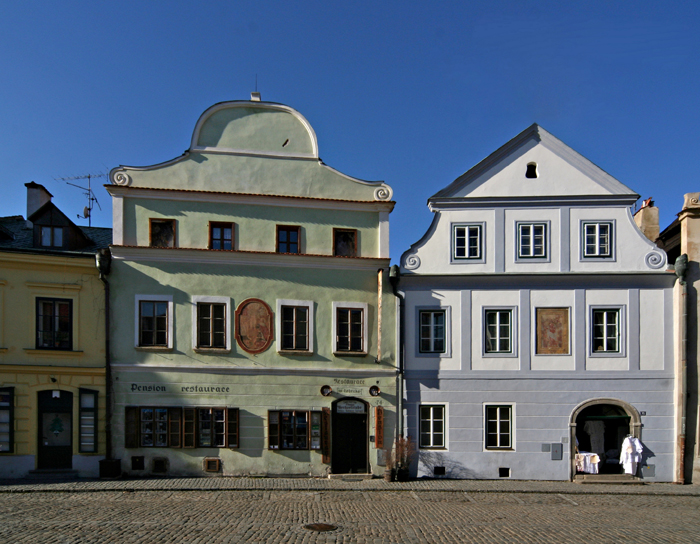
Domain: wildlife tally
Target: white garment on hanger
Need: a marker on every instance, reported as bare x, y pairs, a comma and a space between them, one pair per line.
631, 454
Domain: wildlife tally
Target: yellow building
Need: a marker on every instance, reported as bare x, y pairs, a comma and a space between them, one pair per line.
52, 342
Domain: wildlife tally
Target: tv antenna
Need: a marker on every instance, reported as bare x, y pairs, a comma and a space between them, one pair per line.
87, 191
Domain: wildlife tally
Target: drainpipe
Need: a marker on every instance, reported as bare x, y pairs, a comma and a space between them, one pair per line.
681, 267
394, 278
103, 261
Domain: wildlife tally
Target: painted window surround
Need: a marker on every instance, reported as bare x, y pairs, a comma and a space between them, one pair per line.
547, 227
137, 324
196, 299
68, 291
622, 327
514, 332
481, 225
612, 242
309, 305
448, 331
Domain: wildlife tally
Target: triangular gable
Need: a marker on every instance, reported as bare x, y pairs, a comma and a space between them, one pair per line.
562, 172
50, 215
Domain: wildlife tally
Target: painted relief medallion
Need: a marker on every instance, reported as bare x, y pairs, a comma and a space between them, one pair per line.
552, 331
253, 325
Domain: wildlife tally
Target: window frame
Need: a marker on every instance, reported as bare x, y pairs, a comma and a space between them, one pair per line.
203, 299
170, 318
546, 227
610, 256
336, 231
278, 438
336, 306
91, 411
481, 229
513, 331
511, 426
431, 432
53, 229
288, 229
10, 408
222, 225
162, 220
621, 330
309, 305
447, 311
38, 315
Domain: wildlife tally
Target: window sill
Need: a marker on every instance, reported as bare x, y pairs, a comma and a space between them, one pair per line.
152, 348
294, 352
211, 350
498, 449
350, 353
432, 449
53, 352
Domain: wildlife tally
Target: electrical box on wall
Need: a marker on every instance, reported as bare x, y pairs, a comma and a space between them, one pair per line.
557, 452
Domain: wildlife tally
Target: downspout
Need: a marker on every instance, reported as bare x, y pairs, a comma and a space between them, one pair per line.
103, 261
394, 278
681, 266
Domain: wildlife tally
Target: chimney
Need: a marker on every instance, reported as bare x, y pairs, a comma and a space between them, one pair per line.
647, 219
255, 97
37, 196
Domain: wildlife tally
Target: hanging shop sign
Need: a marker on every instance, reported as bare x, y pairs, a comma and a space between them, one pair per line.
350, 407
253, 325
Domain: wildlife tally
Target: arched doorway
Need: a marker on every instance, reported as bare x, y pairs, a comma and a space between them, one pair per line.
599, 426
350, 439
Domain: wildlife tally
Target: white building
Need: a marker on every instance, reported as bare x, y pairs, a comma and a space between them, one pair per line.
536, 314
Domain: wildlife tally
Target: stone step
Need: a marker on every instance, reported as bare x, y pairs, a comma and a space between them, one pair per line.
350, 477
53, 474
617, 479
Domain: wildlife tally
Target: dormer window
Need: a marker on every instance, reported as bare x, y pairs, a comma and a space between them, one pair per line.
531, 171
51, 236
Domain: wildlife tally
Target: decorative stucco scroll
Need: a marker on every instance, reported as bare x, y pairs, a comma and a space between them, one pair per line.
121, 178
412, 262
655, 259
383, 193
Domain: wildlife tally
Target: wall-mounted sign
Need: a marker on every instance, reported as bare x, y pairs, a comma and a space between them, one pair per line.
379, 427
350, 407
253, 325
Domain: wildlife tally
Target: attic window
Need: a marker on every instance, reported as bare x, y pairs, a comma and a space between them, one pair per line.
531, 170
52, 236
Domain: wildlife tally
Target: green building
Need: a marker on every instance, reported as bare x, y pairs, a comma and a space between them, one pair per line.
252, 323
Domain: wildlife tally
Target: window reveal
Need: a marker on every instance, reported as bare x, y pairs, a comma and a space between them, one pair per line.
162, 233
345, 242
211, 323
54, 324
498, 331
295, 328
597, 240
606, 331
221, 236
467, 242
432, 426
350, 327
288, 239
498, 427
153, 323
532, 240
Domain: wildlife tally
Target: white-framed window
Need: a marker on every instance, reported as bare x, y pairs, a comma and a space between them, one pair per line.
498, 331
532, 240
432, 429
597, 239
432, 331
606, 331
295, 326
211, 323
350, 328
498, 427
153, 321
467, 242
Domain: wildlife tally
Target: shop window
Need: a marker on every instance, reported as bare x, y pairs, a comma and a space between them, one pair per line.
499, 427
88, 421
432, 426
51, 236
221, 236
175, 427
345, 242
54, 323
162, 233
7, 420
294, 430
288, 239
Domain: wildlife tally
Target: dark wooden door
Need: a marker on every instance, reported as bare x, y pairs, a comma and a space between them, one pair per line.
350, 439
55, 441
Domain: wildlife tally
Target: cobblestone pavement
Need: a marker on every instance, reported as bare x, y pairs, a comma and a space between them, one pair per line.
369, 515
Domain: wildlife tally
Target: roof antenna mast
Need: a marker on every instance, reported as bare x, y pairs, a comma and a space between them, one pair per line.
87, 191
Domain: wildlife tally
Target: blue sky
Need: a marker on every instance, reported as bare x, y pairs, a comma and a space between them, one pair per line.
412, 93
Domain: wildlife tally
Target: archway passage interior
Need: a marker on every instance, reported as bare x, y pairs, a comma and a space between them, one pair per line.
349, 450
601, 429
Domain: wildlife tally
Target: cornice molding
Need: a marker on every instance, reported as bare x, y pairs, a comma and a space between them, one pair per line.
285, 201
86, 261
444, 203
256, 370
54, 286
250, 258
58, 370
